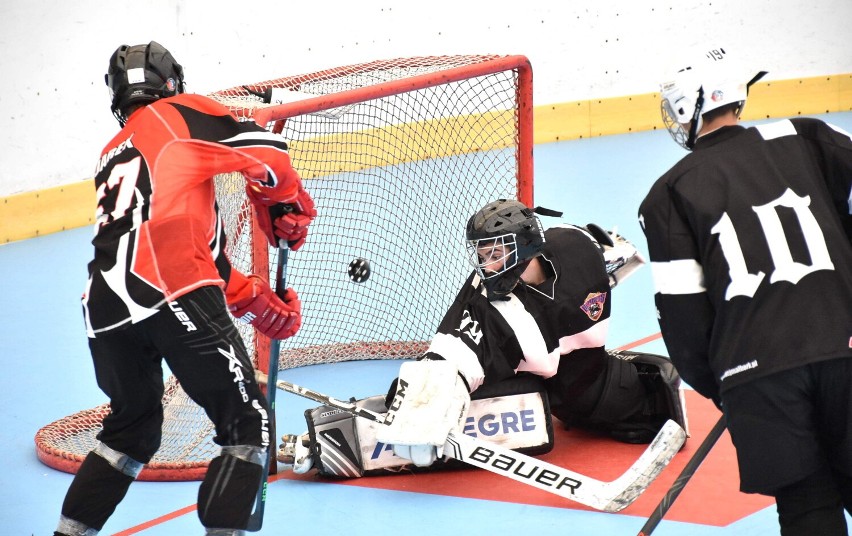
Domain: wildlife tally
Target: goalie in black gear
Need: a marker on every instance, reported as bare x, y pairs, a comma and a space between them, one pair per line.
526, 332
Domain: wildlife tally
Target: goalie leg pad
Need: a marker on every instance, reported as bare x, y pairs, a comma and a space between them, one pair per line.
661, 379
641, 392
333, 441
514, 414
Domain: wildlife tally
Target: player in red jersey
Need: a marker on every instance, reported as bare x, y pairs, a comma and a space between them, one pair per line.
160, 287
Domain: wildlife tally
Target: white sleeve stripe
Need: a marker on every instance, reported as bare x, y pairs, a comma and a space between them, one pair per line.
537, 359
678, 277
778, 129
591, 338
456, 351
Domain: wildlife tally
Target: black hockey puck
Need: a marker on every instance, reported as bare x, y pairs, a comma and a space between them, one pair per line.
359, 270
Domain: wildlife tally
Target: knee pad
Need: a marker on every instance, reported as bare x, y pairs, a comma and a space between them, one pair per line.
227, 494
119, 461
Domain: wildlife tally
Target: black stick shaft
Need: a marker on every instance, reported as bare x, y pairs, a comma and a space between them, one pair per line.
255, 521
684, 476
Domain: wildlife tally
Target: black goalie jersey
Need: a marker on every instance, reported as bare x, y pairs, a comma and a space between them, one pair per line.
538, 325
750, 243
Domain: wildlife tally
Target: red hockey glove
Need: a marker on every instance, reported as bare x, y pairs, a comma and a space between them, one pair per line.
256, 304
273, 182
293, 226
286, 221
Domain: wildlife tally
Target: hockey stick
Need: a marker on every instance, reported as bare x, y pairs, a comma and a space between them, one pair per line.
606, 496
684, 476
255, 521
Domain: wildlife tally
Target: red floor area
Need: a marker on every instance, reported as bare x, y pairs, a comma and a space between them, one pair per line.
715, 483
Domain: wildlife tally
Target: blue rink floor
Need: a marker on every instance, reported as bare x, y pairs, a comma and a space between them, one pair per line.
48, 375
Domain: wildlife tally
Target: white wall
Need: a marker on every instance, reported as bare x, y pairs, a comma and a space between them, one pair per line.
54, 106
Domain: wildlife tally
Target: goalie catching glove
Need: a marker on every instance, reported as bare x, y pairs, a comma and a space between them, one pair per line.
429, 400
252, 301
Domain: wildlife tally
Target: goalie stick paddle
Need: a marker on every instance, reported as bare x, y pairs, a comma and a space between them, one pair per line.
680, 482
255, 521
606, 496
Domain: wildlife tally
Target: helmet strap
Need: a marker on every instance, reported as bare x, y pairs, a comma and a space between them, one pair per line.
547, 212
696, 118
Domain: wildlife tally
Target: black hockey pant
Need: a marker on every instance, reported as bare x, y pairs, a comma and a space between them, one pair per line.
196, 337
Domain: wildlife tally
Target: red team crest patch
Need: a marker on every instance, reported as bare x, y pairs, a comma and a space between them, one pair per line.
594, 305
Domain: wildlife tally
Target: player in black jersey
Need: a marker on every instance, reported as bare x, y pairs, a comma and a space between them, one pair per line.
750, 243
160, 288
524, 339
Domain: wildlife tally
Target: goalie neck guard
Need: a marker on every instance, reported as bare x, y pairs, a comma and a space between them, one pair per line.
139, 75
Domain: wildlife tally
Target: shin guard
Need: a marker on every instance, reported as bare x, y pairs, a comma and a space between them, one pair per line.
227, 494
95, 492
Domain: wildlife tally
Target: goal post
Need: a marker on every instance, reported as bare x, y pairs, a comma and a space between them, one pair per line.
397, 155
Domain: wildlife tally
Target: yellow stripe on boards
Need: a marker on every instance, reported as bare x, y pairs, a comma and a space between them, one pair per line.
40, 212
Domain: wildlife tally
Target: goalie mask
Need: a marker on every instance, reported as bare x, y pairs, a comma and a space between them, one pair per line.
709, 84
502, 237
139, 75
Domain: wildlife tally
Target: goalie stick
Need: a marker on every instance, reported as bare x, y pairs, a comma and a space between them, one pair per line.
255, 521
601, 495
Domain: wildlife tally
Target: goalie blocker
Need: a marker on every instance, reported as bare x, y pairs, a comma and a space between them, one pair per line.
514, 414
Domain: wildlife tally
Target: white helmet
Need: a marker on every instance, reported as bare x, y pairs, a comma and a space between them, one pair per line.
710, 83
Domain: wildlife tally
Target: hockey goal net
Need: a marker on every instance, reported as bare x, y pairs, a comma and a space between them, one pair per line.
397, 155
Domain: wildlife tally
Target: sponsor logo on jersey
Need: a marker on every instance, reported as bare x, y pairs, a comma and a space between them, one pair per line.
182, 317
470, 327
593, 306
741, 368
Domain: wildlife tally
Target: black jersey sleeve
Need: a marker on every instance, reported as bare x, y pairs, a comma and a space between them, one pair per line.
684, 310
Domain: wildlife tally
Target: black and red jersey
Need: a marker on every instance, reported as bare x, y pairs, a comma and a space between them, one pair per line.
158, 234
750, 243
537, 325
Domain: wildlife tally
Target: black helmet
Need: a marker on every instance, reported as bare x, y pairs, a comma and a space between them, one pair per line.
502, 237
141, 74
